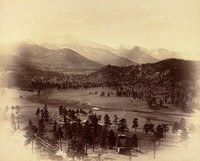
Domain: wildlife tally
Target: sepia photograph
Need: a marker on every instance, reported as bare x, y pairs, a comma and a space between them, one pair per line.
99, 80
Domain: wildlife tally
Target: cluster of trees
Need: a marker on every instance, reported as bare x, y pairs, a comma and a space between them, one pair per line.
108, 94
79, 136
71, 81
43, 113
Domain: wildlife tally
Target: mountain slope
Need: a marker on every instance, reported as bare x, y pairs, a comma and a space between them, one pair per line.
162, 53
54, 60
94, 51
169, 69
168, 76
137, 54
100, 55
63, 39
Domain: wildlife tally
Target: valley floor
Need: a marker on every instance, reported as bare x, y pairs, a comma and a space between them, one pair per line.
171, 149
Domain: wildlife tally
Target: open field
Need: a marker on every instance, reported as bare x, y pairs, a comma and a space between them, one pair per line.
124, 107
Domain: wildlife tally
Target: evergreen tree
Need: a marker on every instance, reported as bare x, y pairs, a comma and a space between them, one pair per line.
78, 128
87, 135
165, 130
159, 133
37, 113
111, 139
67, 132
80, 149
175, 127
135, 124
41, 128
60, 110
103, 137
134, 141
40, 134
102, 93
107, 122
54, 127
46, 115
122, 126
94, 128
30, 132
59, 134
148, 126
115, 121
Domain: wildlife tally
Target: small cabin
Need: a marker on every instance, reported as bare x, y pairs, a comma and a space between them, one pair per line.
121, 144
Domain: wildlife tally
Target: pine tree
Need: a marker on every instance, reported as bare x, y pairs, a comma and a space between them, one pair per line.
40, 134
135, 124
175, 127
30, 134
159, 133
111, 139
94, 128
59, 134
107, 122
122, 126
115, 121
148, 126
165, 130
78, 128
37, 113
80, 149
54, 127
134, 141
67, 134
103, 137
41, 128
87, 135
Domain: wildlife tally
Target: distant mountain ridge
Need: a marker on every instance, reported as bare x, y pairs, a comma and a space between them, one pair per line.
60, 52
162, 53
49, 60
138, 54
100, 55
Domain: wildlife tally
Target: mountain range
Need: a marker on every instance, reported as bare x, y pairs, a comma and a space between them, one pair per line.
68, 52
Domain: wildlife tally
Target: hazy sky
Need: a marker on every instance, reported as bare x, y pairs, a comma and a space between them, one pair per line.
172, 24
